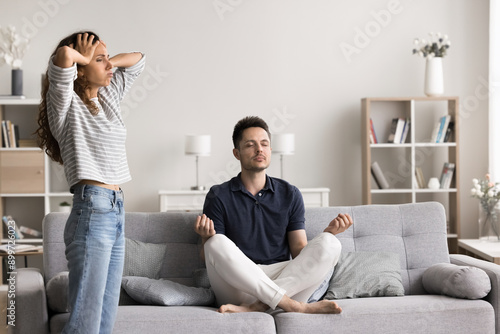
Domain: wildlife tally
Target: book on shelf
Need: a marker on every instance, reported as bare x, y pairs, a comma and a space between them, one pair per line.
449, 131
19, 249
378, 176
10, 134
11, 225
447, 175
406, 130
420, 178
400, 128
440, 129
30, 231
373, 136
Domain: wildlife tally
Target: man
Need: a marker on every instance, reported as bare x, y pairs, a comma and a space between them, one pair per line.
250, 228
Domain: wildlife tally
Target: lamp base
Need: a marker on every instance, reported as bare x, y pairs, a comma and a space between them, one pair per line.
198, 188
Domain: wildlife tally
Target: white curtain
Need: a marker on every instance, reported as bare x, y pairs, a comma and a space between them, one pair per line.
494, 90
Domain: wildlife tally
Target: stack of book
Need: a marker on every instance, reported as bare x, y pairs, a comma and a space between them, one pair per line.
400, 128
10, 134
20, 231
442, 130
419, 175
447, 175
372, 135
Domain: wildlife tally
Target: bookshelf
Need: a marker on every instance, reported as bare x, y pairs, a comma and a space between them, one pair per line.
30, 184
399, 161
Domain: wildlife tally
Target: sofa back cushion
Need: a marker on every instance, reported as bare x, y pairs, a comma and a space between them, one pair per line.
416, 232
174, 229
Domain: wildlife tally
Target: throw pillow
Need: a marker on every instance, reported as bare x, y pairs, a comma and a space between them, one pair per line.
366, 274
141, 259
200, 277
164, 292
57, 292
456, 281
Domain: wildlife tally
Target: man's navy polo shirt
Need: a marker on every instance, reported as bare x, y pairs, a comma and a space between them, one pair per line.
258, 224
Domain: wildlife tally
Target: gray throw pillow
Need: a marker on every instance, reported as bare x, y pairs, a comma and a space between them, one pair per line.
200, 277
366, 274
141, 259
456, 281
164, 292
57, 292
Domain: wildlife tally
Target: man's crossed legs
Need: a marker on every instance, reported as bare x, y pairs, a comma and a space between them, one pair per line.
240, 285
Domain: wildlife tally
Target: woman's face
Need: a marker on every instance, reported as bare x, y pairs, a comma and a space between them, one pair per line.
98, 72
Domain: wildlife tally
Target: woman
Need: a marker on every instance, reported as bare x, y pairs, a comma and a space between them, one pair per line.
81, 127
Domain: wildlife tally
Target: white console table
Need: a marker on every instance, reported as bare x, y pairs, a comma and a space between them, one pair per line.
192, 200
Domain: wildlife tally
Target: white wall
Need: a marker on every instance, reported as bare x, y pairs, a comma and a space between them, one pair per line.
279, 59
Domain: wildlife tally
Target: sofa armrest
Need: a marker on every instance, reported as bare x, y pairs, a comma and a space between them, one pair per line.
30, 301
493, 271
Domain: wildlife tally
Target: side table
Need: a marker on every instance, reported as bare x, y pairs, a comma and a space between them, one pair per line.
486, 250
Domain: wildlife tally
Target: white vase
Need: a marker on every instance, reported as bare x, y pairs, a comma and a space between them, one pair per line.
63, 208
433, 85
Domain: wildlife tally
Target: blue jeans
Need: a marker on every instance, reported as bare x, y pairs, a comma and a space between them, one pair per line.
95, 248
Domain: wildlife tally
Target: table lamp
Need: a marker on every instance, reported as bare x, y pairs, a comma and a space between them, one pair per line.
198, 145
283, 144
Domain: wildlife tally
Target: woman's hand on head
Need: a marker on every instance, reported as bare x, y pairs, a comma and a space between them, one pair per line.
86, 46
81, 53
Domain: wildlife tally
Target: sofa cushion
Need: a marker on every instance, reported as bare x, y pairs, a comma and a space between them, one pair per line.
164, 292
366, 274
456, 281
143, 259
57, 292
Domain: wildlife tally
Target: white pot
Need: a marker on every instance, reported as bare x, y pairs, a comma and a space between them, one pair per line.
64, 208
433, 85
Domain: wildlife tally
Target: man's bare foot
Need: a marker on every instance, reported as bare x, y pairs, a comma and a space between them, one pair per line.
255, 307
322, 307
288, 305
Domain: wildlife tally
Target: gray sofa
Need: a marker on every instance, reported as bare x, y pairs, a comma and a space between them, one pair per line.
416, 232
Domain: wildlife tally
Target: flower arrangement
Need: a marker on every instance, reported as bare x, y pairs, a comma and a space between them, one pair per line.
437, 46
12, 47
488, 194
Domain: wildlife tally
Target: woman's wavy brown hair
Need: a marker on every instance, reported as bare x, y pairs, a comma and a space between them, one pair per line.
45, 139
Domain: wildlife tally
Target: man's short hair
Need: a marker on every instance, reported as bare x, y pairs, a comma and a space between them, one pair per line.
245, 123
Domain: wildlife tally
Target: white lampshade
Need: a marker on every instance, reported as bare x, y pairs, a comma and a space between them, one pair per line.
198, 145
283, 143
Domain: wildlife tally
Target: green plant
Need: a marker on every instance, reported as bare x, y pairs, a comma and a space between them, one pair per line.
64, 204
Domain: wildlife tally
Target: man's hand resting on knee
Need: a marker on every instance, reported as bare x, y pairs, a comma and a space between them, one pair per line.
338, 225
204, 226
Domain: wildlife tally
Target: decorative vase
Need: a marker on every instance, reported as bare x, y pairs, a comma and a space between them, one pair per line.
434, 76
489, 223
17, 82
64, 208
433, 183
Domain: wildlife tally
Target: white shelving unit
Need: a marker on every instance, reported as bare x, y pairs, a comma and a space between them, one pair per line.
399, 161
32, 185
